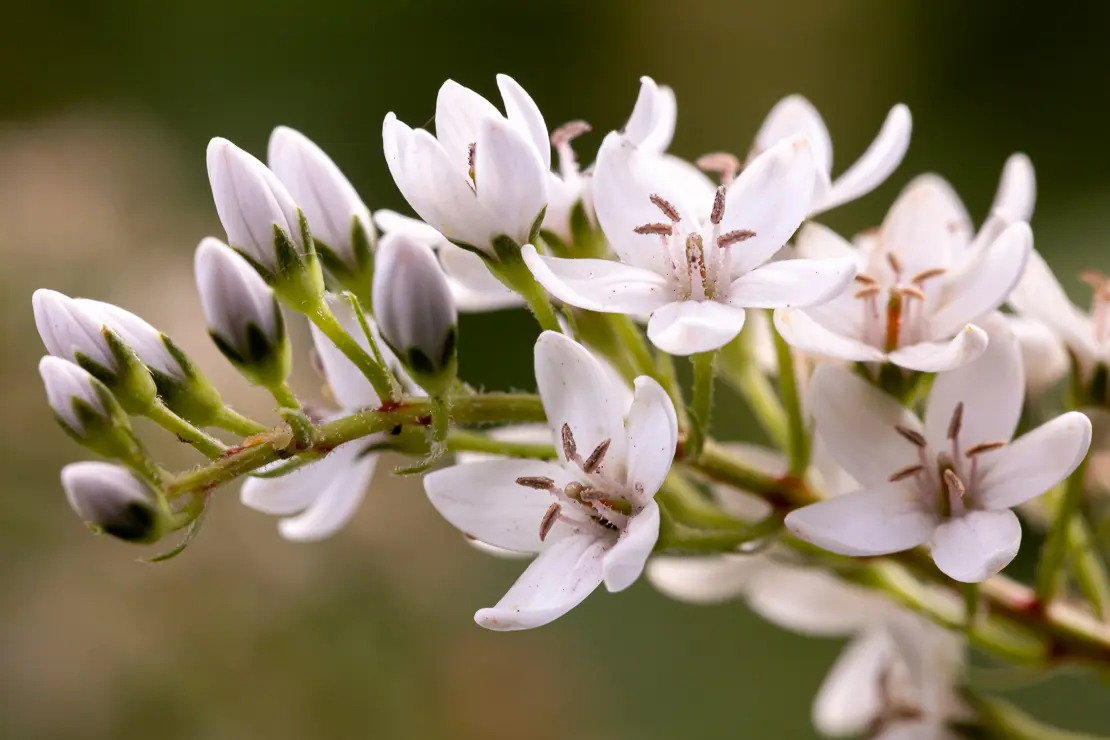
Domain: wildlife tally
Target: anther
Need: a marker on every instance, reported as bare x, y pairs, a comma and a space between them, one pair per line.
957, 421
659, 229
865, 279
568, 132
913, 436
907, 472
734, 237
982, 447
471, 159
570, 449
718, 211
540, 483
912, 292
867, 292
723, 164
666, 207
929, 274
954, 484
549, 518
894, 262
695, 254
593, 462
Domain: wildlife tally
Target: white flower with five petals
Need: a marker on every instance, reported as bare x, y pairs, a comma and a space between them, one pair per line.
948, 483
694, 277
591, 515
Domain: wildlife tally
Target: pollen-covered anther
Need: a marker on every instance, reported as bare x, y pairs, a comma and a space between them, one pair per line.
982, 447
718, 211
953, 483
895, 263
695, 254
925, 275
869, 291
666, 207
593, 462
548, 521
540, 483
568, 132
914, 437
724, 165
907, 472
471, 159
865, 279
729, 238
908, 291
957, 421
570, 448
657, 229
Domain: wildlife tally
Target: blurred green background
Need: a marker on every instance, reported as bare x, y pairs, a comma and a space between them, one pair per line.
106, 108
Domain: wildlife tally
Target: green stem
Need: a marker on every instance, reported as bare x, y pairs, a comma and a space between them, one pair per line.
293, 413
687, 504
1090, 570
798, 448
1004, 721
208, 446
668, 378
1050, 569
701, 407
632, 340
326, 322
464, 441
717, 464
741, 372
234, 422
394, 389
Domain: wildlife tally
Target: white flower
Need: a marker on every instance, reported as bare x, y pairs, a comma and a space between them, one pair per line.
796, 115
330, 203
252, 203
483, 175
919, 285
70, 329
1043, 355
112, 499
72, 393
591, 515
694, 277
147, 342
949, 483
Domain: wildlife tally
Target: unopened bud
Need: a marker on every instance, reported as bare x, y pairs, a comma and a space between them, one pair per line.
263, 222
112, 499
415, 311
243, 317
342, 232
86, 409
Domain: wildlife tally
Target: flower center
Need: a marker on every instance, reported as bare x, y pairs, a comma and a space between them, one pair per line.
902, 321
1100, 303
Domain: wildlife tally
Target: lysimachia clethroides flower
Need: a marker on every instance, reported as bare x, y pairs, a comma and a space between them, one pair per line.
483, 178
948, 482
591, 514
694, 277
112, 499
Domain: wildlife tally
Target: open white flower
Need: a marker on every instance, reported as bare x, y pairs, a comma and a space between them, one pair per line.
949, 483
695, 277
920, 286
795, 115
591, 515
483, 175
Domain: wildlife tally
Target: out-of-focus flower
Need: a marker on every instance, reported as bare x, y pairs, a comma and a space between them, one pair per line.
112, 499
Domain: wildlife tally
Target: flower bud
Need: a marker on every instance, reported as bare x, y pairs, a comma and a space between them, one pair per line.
73, 331
415, 311
85, 408
263, 222
342, 231
112, 499
243, 318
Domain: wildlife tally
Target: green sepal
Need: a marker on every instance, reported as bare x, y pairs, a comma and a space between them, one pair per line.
195, 519
359, 276
435, 375
534, 232
140, 523
193, 397
585, 236
267, 364
299, 280
132, 384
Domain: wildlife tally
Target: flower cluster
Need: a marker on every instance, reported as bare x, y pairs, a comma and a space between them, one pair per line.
913, 363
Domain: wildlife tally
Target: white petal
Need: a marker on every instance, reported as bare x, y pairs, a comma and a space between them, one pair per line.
985, 283
926, 227
524, 114
688, 327
149, 343
704, 580
575, 391
875, 165
460, 113
815, 241
795, 115
652, 436
334, 506
851, 696
1034, 462
528, 433
878, 521
813, 602
442, 192
390, 221
663, 120
349, 386
510, 179
556, 582
483, 500
497, 552
802, 332
641, 123
297, 490
939, 357
856, 421
770, 197
1017, 189
792, 283
973, 547
1043, 354
472, 284
396, 138
625, 561
1039, 294
991, 389
599, 285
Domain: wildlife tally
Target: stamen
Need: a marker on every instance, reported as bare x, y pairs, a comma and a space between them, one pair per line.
929, 274
869, 292
718, 211
957, 421
906, 290
907, 472
538, 482
568, 132
576, 490
570, 449
549, 518
862, 277
734, 237
471, 158
593, 462
982, 447
665, 206
914, 437
893, 321
954, 484
894, 262
695, 255
659, 229
722, 164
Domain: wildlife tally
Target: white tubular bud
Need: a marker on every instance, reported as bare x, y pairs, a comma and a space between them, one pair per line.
415, 310
111, 499
76, 397
242, 314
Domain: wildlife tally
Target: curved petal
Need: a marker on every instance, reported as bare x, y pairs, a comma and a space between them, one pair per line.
473, 286
1034, 462
939, 357
652, 436
857, 421
524, 114
663, 119
483, 500
445, 199
802, 332
641, 122
813, 602
878, 521
926, 227
297, 490
1017, 189
688, 327
792, 283
395, 143
851, 696
335, 505
991, 389
460, 113
556, 582
704, 580
1043, 355
770, 197
389, 221
497, 552
510, 179
875, 165
696, 187
814, 241
599, 285
575, 390
1039, 294
984, 284
973, 547
795, 115
625, 561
